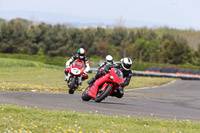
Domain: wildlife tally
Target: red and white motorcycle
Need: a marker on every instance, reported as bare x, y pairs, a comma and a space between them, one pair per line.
75, 76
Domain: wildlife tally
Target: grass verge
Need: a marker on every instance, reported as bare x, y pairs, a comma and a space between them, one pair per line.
22, 75
22, 119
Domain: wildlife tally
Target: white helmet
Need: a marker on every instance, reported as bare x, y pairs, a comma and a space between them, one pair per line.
109, 59
126, 63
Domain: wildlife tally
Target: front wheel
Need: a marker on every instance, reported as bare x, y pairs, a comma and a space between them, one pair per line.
85, 96
71, 87
103, 94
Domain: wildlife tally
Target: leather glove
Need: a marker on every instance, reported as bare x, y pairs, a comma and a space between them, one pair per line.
67, 67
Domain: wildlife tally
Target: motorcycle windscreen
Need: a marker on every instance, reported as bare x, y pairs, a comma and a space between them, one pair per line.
118, 75
78, 64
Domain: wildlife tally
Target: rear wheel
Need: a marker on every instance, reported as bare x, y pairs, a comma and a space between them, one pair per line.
85, 96
71, 87
102, 95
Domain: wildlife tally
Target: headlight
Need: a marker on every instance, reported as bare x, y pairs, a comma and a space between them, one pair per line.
119, 83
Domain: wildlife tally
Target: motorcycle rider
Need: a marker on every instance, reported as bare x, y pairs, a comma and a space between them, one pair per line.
109, 61
80, 57
125, 67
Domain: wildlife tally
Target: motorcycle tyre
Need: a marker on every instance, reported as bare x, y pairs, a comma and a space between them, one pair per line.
71, 87
103, 94
85, 96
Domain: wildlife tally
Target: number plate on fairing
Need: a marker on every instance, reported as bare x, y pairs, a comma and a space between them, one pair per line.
75, 71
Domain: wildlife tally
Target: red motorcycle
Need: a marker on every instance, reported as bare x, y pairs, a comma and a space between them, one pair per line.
104, 86
76, 72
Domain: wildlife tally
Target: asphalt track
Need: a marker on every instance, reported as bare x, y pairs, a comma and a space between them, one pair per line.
179, 100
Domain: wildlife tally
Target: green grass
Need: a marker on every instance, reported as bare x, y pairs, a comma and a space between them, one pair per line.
15, 63
140, 82
22, 119
22, 75
58, 60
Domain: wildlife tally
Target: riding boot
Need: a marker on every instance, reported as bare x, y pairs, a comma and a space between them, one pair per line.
91, 81
80, 81
67, 77
121, 90
118, 93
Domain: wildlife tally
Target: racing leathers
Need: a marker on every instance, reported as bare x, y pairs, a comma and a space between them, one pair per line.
86, 65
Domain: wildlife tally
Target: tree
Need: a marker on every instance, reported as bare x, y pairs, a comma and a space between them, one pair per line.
142, 44
13, 35
174, 52
102, 48
196, 56
100, 33
2, 21
117, 36
139, 49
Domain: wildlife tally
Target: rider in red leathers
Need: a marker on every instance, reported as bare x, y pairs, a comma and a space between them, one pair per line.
80, 57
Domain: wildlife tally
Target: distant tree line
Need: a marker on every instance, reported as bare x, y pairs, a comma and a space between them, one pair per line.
142, 44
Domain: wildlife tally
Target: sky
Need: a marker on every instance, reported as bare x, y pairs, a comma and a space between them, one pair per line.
180, 14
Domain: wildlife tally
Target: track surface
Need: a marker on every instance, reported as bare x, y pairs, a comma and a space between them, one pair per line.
179, 100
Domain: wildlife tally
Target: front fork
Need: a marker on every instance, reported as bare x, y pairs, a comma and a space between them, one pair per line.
80, 80
70, 78
77, 82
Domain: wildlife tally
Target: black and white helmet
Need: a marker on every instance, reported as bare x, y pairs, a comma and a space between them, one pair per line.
109, 59
126, 63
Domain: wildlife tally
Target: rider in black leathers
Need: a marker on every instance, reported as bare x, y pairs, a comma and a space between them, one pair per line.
109, 61
125, 67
